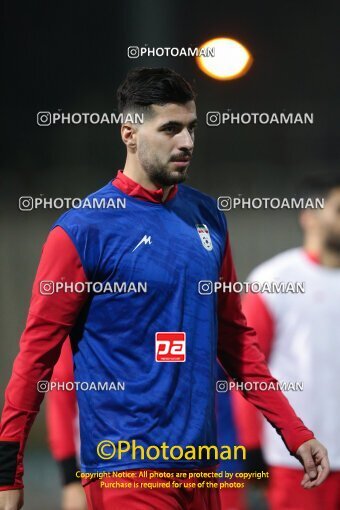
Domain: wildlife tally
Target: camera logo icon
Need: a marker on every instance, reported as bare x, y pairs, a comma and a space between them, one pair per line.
213, 118
44, 118
46, 287
224, 203
43, 386
205, 287
26, 203
133, 52
221, 386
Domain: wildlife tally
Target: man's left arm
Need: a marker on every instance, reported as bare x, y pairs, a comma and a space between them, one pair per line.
240, 355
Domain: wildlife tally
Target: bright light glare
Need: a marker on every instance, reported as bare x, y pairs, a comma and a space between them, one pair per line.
231, 59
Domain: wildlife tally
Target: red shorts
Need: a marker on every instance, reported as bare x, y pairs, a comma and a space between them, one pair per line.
233, 499
285, 491
101, 498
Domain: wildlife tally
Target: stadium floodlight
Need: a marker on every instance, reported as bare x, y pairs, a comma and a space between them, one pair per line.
230, 59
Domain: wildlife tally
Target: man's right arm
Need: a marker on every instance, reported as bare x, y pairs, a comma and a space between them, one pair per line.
62, 420
50, 319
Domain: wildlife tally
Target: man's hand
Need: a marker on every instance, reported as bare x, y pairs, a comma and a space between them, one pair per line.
314, 458
73, 497
11, 500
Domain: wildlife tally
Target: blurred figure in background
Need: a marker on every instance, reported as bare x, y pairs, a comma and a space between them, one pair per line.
63, 431
300, 337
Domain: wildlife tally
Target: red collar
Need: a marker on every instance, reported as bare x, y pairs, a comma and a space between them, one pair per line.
313, 257
133, 189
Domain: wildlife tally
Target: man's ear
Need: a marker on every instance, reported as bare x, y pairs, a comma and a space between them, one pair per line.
129, 136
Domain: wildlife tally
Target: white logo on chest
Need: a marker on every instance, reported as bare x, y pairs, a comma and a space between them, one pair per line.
146, 240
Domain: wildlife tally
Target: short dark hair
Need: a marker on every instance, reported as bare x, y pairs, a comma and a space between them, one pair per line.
144, 87
319, 185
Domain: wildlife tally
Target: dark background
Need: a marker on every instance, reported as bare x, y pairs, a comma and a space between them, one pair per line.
73, 57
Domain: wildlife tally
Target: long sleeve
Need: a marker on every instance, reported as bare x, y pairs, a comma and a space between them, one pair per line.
249, 420
241, 356
62, 417
51, 317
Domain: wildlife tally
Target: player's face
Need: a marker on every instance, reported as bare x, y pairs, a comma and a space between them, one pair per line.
329, 221
165, 142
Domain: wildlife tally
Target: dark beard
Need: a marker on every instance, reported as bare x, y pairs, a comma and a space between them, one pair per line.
162, 177
158, 173
332, 243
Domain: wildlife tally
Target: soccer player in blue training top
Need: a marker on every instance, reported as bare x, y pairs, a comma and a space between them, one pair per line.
146, 241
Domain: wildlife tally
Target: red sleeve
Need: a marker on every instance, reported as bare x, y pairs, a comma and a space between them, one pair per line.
61, 409
240, 355
248, 419
50, 319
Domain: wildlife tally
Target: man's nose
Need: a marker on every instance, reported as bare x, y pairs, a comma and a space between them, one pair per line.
186, 140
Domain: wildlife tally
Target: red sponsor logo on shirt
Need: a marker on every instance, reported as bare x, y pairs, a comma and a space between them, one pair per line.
170, 346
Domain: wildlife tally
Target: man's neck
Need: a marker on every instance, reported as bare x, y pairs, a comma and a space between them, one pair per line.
325, 256
137, 174
329, 258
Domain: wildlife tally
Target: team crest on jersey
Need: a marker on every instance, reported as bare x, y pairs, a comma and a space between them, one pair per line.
203, 232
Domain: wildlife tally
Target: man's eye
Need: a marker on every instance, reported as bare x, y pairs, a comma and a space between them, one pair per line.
170, 129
